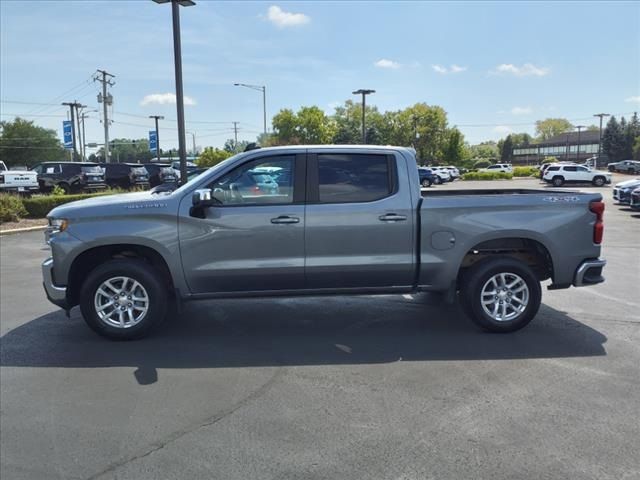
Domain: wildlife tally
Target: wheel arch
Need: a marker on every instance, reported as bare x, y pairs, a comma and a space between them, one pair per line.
89, 259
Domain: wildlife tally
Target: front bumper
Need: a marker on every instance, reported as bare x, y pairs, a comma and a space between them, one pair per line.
589, 273
56, 295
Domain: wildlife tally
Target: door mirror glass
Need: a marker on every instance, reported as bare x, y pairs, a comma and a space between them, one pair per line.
201, 198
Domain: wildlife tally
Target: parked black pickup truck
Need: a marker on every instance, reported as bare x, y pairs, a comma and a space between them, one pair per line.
126, 175
71, 177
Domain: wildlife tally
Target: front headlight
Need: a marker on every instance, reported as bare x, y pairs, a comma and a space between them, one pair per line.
58, 224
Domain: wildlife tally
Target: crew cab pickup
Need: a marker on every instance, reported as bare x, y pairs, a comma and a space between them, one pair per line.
345, 220
20, 181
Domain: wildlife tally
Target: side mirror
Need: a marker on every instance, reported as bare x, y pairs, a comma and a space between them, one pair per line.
201, 197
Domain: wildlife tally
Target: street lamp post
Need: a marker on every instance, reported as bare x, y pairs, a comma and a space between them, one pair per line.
177, 57
579, 127
601, 115
156, 118
193, 138
364, 93
263, 89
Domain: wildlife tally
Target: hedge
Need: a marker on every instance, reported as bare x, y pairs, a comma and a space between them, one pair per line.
487, 176
11, 208
525, 172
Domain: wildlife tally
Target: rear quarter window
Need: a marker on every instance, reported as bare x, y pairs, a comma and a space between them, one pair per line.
553, 169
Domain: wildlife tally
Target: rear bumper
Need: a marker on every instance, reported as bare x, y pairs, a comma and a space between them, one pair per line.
589, 273
55, 294
20, 189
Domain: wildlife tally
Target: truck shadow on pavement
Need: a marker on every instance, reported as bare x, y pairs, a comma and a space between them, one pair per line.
296, 332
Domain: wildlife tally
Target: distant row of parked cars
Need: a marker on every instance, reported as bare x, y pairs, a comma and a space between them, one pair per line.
628, 193
75, 177
437, 175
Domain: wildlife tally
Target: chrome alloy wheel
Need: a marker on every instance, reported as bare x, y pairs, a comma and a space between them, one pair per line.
121, 302
505, 297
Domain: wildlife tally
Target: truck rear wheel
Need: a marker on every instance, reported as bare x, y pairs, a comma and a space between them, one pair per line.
501, 294
123, 299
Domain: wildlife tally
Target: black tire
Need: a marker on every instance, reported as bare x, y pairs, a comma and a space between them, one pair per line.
599, 181
139, 271
557, 181
630, 171
426, 183
476, 278
437, 180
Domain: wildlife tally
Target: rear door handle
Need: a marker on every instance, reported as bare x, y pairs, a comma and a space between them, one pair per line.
285, 219
392, 217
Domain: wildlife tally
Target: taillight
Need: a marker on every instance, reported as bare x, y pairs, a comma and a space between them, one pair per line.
598, 228
256, 189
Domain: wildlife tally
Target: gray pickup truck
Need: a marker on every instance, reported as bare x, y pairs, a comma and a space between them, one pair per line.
318, 220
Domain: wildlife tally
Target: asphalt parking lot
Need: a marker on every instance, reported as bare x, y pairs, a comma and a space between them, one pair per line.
397, 387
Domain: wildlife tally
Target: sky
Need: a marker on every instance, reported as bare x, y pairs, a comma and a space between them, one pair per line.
495, 67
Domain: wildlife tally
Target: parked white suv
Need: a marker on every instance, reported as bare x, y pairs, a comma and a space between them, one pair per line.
558, 175
499, 167
442, 174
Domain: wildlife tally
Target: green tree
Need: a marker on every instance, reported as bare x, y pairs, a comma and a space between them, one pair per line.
550, 127
24, 143
127, 150
613, 141
484, 150
454, 151
506, 149
285, 125
636, 149
212, 156
231, 146
314, 126
631, 132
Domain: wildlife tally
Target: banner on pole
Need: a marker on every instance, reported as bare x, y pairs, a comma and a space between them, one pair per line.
67, 134
153, 141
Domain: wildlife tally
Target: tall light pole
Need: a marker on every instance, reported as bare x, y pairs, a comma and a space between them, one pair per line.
601, 115
84, 115
156, 118
177, 58
193, 137
364, 93
579, 127
263, 89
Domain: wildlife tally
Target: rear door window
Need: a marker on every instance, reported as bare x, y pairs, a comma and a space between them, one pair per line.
346, 178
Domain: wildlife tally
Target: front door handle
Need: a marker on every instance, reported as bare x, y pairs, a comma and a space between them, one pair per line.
392, 217
285, 219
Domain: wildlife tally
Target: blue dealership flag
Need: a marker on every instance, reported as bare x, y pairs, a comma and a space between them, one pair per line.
153, 141
67, 133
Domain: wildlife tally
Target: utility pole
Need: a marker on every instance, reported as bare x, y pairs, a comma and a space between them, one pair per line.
156, 118
72, 107
235, 135
579, 127
601, 115
193, 139
106, 99
81, 140
263, 89
364, 93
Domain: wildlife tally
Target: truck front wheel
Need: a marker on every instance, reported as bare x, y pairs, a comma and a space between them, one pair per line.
123, 299
501, 294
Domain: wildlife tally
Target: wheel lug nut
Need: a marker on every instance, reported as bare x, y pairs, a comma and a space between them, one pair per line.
130, 305
129, 297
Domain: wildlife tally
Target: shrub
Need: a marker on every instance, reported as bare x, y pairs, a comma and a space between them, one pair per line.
487, 176
11, 208
525, 172
58, 191
549, 160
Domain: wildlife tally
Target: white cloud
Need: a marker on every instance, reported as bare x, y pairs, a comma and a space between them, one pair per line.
502, 129
282, 19
526, 70
635, 99
521, 110
165, 99
386, 63
452, 69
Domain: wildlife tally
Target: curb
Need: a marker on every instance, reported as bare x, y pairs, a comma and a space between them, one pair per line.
21, 230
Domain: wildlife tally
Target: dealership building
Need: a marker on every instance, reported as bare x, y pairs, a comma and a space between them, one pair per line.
569, 146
